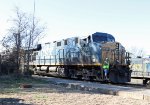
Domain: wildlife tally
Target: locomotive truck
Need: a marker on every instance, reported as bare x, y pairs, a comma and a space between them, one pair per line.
83, 58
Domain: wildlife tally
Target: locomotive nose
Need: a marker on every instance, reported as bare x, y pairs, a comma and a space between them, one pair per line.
112, 51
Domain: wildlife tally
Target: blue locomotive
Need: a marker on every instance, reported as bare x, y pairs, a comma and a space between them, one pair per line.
83, 58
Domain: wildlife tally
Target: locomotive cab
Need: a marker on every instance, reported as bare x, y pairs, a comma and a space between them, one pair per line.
119, 71
99, 37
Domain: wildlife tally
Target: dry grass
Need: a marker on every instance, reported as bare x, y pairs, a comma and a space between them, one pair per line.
11, 84
44, 93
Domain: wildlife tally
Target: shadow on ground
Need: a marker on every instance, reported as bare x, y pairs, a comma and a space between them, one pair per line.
12, 101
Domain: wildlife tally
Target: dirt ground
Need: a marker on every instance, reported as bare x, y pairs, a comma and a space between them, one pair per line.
49, 94
56, 95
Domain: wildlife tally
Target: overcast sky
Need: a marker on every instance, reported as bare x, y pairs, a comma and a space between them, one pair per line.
127, 20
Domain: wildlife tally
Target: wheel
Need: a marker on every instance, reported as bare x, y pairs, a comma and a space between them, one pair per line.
79, 77
145, 82
148, 84
91, 78
61, 72
72, 73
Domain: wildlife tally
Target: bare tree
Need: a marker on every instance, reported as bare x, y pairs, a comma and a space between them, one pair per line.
23, 35
34, 33
137, 52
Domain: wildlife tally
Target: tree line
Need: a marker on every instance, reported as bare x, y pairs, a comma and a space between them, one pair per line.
22, 37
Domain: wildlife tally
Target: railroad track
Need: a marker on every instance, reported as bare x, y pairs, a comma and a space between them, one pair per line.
95, 81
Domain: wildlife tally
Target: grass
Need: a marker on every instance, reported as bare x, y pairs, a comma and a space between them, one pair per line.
11, 84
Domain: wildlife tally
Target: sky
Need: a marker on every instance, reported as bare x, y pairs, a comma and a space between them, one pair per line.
127, 20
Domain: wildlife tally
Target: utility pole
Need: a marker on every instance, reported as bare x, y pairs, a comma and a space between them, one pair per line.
18, 45
30, 44
0, 65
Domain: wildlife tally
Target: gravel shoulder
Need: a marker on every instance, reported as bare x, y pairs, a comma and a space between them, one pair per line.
44, 93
